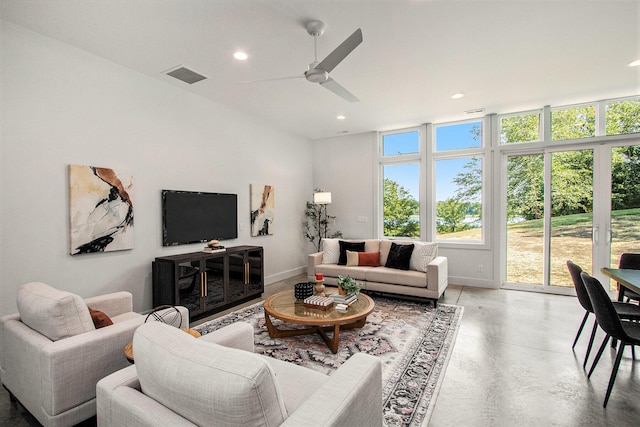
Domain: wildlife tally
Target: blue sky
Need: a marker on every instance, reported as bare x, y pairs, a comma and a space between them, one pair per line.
447, 137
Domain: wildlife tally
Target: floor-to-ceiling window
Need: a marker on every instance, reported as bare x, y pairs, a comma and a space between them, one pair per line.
400, 164
570, 194
458, 159
566, 181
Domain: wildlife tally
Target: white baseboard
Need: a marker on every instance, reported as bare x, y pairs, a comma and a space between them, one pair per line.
283, 275
470, 281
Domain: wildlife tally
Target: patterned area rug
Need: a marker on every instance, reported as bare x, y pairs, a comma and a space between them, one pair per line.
413, 341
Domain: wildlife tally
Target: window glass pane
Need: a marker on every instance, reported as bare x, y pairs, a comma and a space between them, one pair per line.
523, 128
459, 136
401, 195
625, 203
573, 122
571, 213
623, 117
459, 198
401, 143
525, 216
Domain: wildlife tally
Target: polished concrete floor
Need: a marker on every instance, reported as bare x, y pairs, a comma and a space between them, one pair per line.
512, 365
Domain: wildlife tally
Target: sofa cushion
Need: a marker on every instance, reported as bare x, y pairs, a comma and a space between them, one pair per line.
203, 381
399, 256
331, 251
54, 313
348, 246
372, 245
423, 253
385, 245
334, 270
396, 277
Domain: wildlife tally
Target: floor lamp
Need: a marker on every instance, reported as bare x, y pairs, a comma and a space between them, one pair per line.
322, 199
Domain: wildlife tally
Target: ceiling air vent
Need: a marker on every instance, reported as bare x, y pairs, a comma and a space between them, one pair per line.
475, 111
186, 75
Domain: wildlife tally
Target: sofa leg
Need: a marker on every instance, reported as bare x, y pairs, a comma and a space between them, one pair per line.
435, 303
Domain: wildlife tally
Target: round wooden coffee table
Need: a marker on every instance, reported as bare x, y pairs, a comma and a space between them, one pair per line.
285, 307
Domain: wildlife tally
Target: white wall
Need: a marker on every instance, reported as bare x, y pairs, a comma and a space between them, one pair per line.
63, 106
345, 166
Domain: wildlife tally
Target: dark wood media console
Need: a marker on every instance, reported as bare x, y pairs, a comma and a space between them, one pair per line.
207, 283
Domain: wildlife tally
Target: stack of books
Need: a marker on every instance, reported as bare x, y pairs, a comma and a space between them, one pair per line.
217, 248
347, 299
318, 302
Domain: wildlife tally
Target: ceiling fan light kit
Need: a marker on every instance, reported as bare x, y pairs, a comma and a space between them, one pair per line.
316, 75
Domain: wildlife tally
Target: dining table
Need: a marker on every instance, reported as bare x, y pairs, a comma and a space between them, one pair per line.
626, 277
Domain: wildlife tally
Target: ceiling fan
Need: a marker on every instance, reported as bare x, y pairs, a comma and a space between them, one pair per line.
318, 72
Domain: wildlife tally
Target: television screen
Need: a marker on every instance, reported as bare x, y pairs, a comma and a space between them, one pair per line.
192, 217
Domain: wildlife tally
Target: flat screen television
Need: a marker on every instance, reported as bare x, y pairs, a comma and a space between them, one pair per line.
195, 216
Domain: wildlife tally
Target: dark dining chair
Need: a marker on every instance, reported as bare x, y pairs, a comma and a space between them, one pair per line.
624, 310
630, 261
628, 333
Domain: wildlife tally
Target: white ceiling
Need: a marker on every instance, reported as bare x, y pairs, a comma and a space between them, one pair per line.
506, 56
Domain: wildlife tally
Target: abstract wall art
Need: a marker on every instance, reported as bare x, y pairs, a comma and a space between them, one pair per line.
262, 209
100, 209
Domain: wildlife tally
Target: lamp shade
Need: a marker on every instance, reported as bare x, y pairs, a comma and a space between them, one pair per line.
323, 198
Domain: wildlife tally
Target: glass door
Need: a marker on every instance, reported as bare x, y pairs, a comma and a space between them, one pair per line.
190, 286
623, 231
214, 276
556, 211
549, 198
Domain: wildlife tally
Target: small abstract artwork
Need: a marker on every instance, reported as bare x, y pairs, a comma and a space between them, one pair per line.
262, 209
100, 209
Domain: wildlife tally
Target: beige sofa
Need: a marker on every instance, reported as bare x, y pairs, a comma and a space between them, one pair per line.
52, 356
179, 380
426, 276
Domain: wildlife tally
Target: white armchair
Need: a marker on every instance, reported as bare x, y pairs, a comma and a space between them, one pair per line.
52, 356
217, 380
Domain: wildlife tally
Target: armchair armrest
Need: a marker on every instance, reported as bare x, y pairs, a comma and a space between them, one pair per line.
312, 261
112, 304
82, 360
351, 397
237, 335
120, 402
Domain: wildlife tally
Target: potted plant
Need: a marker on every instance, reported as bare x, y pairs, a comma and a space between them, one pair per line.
348, 285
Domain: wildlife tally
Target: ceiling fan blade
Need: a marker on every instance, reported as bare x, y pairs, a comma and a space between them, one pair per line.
269, 80
335, 87
341, 52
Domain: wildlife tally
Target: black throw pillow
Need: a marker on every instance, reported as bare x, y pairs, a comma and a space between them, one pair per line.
348, 246
399, 256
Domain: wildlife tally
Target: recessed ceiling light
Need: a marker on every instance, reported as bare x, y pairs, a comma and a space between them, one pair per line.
634, 63
240, 56
341, 117
457, 95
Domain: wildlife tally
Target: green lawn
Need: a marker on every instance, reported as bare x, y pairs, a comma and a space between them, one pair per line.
571, 239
